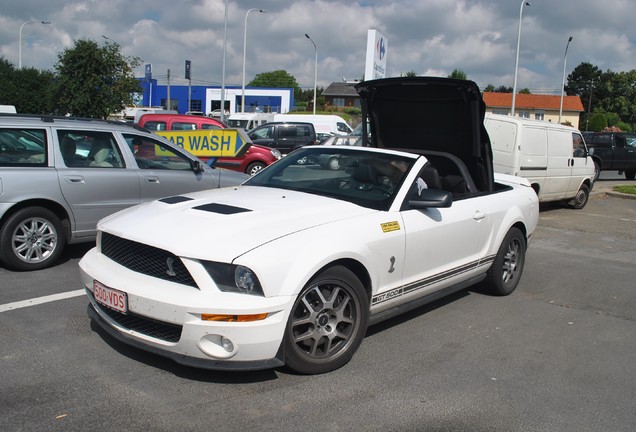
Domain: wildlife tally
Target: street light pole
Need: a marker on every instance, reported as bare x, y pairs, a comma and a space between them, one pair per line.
563, 83
20, 40
223, 72
514, 83
315, 70
244, 55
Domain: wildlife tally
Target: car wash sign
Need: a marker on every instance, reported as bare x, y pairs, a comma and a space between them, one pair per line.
209, 143
375, 65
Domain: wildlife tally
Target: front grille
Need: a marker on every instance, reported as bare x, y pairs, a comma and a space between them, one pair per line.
149, 327
146, 259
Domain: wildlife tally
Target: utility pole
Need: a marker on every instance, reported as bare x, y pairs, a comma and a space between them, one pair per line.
169, 106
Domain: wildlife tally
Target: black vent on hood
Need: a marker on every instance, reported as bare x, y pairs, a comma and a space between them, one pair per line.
221, 209
175, 199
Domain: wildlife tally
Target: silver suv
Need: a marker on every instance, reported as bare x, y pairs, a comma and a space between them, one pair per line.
59, 176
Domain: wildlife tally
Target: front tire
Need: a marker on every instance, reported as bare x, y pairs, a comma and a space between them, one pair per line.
31, 239
327, 322
630, 174
504, 274
581, 198
254, 167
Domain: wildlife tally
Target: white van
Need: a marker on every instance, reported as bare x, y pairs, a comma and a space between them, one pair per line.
552, 157
323, 123
248, 121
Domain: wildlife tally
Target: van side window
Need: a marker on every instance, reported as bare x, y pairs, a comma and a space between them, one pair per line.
342, 127
300, 131
183, 126
578, 145
155, 126
266, 132
209, 126
603, 140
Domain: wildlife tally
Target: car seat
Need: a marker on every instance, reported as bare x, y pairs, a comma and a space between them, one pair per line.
100, 156
68, 149
432, 178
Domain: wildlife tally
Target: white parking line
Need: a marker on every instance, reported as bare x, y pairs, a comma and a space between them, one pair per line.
41, 300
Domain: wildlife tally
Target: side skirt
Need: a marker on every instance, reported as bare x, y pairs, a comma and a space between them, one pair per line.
421, 301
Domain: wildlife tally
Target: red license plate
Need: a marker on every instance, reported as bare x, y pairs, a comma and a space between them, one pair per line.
111, 298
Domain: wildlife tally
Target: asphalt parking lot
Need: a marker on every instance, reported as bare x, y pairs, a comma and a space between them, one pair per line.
559, 354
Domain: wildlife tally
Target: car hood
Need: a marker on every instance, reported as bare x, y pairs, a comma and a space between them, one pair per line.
429, 114
222, 224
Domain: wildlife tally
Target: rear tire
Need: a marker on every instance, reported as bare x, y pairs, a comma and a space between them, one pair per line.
504, 274
31, 239
597, 170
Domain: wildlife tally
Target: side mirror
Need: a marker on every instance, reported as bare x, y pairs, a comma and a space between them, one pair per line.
434, 198
196, 166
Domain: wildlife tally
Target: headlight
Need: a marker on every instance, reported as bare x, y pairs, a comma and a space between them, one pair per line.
276, 153
234, 278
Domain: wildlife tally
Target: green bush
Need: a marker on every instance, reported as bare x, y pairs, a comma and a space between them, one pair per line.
625, 127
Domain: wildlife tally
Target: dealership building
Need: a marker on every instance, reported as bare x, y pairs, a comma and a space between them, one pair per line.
206, 99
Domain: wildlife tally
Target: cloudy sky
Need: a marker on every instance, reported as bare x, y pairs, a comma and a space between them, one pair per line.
430, 37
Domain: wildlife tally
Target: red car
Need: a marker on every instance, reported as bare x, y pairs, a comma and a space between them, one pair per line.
256, 158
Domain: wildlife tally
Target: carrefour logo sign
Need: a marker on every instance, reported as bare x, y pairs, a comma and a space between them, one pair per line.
380, 49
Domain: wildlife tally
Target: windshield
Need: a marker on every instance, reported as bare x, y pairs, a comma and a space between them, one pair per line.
233, 123
366, 178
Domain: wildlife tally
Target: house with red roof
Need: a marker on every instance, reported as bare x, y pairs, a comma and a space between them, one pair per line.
536, 107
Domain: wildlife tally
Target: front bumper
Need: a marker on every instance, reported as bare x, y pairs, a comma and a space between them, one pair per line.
202, 363
165, 318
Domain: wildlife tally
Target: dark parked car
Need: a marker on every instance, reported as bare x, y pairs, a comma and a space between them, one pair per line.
284, 137
612, 151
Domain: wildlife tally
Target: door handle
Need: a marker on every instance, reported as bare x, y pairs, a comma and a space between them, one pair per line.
479, 215
75, 179
152, 180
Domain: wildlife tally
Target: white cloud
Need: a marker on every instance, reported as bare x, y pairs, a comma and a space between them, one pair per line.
432, 37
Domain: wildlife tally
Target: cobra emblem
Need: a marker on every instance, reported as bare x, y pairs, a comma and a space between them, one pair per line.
170, 271
392, 267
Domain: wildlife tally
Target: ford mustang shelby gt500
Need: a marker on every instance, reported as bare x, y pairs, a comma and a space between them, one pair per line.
293, 266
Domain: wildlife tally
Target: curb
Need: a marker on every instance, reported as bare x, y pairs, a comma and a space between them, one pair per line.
621, 195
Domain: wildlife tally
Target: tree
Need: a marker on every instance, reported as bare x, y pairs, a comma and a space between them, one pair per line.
278, 79
410, 73
95, 81
29, 90
525, 91
489, 88
503, 89
458, 74
275, 79
8, 92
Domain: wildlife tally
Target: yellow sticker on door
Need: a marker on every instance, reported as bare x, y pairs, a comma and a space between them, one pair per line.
390, 226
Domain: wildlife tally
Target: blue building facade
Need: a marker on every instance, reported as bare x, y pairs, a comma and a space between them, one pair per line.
208, 98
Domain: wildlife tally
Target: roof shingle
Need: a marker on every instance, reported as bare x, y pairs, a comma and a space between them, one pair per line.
532, 101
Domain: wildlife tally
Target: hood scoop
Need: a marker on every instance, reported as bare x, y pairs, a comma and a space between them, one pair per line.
175, 199
221, 209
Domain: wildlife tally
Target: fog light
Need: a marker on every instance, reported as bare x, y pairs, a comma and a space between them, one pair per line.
227, 344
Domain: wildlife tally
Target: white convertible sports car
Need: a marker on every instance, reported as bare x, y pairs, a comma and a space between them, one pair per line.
293, 266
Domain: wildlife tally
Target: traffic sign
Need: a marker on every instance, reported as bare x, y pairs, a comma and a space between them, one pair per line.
209, 143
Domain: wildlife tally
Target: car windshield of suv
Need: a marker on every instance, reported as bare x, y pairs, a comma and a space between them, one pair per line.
366, 178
